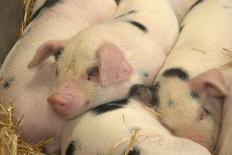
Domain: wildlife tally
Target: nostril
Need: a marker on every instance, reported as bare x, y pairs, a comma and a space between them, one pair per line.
56, 100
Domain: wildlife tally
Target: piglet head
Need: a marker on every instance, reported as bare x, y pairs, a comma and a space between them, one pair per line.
189, 107
87, 75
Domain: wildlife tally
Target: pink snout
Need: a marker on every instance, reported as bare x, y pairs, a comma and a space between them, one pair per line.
67, 100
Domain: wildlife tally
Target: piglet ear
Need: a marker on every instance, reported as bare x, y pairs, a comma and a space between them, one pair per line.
44, 51
113, 65
211, 81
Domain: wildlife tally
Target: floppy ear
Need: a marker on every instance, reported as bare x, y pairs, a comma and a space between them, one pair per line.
211, 81
113, 67
44, 51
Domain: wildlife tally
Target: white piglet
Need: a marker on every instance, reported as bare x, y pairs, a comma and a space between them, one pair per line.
190, 91
101, 63
124, 127
28, 89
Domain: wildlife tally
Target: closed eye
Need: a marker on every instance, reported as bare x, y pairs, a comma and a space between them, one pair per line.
58, 53
93, 74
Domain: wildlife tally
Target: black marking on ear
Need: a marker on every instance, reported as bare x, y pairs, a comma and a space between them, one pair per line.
155, 97
138, 25
58, 53
126, 14
8, 83
71, 149
181, 28
135, 151
176, 72
195, 95
195, 4
47, 4
110, 106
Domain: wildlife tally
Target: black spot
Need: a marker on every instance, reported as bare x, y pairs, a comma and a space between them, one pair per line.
176, 72
155, 97
71, 148
146, 75
195, 95
126, 14
47, 4
195, 4
181, 28
8, 82
135, 151
138, 25
109, 106
58, 53
117, 1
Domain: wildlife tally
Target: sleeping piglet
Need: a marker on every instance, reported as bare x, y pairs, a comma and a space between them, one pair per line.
190, 83
124, 127
182, 111
101, 63
28, 89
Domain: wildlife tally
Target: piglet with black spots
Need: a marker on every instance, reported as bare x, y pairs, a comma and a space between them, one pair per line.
28, 89
101, 63
125, 127
192, 87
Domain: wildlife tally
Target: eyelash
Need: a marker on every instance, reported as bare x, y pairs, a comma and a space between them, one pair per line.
92, 72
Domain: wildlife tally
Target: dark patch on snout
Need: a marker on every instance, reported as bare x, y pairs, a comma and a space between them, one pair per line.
138, 25
195, 4
176, 72
110, 106
58, 53
126, 14
47, 4
8, 83
135, 151
71, 149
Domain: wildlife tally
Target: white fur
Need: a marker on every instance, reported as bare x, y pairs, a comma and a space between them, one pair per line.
110, 134
203, 38
145, 52
200, 45
30, 89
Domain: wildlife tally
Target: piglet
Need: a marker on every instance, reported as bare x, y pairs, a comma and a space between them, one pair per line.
184, 112
101, 63
124, 127
191, 75
29, 89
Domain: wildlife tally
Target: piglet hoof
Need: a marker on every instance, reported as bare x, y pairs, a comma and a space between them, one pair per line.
59, 105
